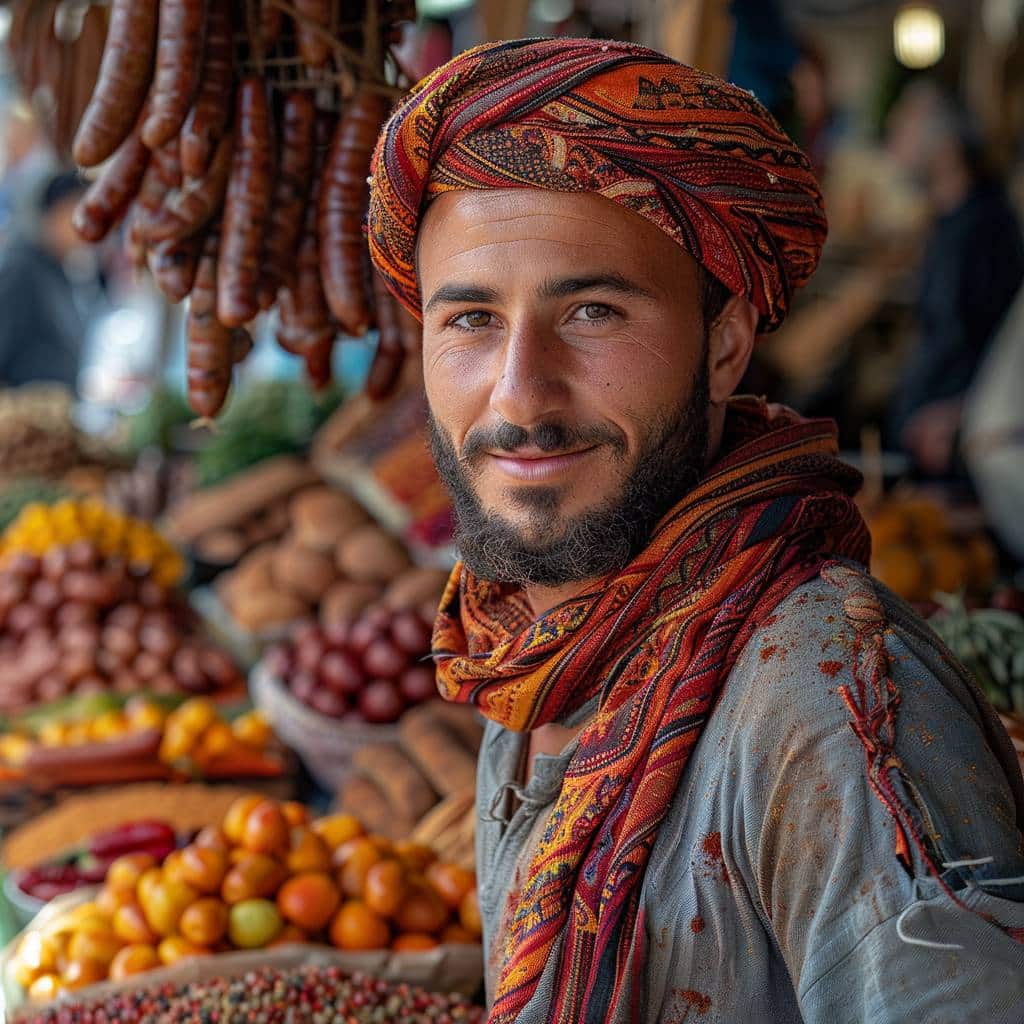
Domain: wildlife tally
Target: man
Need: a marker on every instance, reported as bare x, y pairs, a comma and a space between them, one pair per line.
725, 776
972, 268
42, 328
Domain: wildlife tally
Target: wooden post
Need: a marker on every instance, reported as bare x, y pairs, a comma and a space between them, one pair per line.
503, 19
697, 32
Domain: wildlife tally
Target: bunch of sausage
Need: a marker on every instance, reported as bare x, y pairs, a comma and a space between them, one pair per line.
236, 194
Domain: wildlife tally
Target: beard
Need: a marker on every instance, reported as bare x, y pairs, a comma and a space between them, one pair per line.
555, 550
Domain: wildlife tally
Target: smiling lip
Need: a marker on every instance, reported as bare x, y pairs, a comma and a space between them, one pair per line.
533, 465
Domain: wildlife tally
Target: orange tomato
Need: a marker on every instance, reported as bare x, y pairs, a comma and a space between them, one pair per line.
203, 868
45, 988
234, 820
309, 900
451, 882
289, 934
354, 860
109, 900
166, 904
147, 883
385, 887
133, 960
130, 926
79, 973
126, 871
414, 856
456, 935
175, 948
173, 868
255, 876
212, 838
356, 926
337, 829
308, 851
94, 946
266, 829
422, 910
469, 914
410, 942
205, 922
294, 812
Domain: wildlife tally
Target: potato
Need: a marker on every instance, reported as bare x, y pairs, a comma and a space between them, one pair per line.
346, 599
415, 587
221, 547
370, 555
321, 517
256, 610
303, 572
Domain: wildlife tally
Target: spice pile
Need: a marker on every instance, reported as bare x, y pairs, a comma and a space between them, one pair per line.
242, 184
319, 995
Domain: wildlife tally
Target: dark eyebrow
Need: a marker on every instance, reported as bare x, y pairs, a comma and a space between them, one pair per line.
611, 281
460, 293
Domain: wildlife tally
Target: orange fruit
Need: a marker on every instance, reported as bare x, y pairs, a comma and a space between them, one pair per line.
94, 946
948, 566
337, 829
79, 973
308, 851
235, 818
456, 935
356, 926
45, 988
901, 569
288, 934
213, 838
166, 904
354, 860
294, 812
175, 948
266, 829
205, 922
422, 910
385, 887
309, 900
133, 960
410, 942
172, 867
254, 876
203, 868
109, 900
125, 872
414, 856
469, 914
450, 882
131, 926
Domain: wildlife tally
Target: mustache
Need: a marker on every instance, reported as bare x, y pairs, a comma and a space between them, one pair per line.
551, 437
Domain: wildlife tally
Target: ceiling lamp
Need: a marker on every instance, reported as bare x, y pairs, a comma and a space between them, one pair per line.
919, 36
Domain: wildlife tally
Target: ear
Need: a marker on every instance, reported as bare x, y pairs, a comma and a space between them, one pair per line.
730, 343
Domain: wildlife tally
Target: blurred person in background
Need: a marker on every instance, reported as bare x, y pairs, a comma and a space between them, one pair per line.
972, 267
28, 163
43, 324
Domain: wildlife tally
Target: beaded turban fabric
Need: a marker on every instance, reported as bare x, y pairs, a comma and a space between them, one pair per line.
697, 157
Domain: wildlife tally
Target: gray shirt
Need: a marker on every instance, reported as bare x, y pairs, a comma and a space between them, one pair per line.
773, 892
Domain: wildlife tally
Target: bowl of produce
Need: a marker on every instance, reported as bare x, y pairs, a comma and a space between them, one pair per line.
30, 889
329, 690
265, 877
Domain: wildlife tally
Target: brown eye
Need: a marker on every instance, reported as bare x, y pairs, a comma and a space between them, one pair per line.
477, 318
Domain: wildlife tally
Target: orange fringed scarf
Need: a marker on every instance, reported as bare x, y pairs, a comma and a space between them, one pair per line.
657, 642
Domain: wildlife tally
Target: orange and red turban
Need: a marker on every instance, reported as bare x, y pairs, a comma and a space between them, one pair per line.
699, 158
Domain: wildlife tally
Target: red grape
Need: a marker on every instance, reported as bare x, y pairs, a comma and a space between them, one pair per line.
377, 615
363, 634
309, 651
380, 702
383, 659
304, 685
327, 702
279, 661
342, 673
418, 684
410, 633
336, 633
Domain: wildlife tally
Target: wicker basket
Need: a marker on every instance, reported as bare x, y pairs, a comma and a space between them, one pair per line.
325, 745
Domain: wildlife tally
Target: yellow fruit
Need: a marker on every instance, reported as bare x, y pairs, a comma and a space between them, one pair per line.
108, 726
146, 715
252, 728
195, 715
337, 829
45, 988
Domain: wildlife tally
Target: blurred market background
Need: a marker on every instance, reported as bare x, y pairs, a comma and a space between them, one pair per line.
224, 596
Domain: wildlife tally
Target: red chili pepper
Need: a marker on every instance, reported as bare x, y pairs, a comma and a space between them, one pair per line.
128, 838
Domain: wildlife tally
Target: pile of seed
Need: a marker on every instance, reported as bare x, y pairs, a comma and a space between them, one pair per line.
308, 995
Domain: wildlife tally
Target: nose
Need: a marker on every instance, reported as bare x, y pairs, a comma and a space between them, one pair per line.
530, 384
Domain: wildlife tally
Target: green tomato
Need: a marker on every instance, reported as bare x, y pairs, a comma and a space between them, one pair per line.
254, 923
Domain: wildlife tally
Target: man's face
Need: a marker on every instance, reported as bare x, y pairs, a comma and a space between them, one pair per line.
565, 367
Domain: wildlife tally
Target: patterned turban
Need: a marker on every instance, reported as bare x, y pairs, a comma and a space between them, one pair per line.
697, 157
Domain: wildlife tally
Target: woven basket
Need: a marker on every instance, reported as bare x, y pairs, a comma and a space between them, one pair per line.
325, 745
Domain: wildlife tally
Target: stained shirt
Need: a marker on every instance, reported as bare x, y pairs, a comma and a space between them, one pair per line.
774, 892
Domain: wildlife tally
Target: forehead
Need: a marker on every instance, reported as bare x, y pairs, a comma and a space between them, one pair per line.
529, 229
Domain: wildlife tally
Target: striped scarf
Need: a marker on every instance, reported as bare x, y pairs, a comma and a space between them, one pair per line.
656, 641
